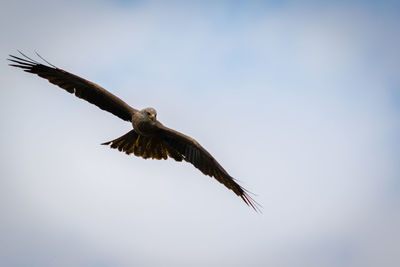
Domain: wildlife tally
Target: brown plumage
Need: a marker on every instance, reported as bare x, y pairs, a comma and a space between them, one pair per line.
149, 138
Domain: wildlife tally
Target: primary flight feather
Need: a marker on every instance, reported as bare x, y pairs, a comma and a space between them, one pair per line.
148, 138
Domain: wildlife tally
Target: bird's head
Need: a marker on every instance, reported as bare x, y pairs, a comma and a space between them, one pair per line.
149, 114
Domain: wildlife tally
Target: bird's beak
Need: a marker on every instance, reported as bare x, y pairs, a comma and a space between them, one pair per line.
151, 117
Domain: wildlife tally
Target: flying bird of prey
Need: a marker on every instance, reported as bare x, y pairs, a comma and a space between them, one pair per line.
149, 138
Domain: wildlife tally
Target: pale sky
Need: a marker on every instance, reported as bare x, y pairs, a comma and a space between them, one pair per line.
298, 100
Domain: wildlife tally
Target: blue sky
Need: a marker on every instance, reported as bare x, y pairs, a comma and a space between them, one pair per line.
297, 100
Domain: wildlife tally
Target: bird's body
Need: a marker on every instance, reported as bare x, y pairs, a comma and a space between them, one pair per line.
149, 138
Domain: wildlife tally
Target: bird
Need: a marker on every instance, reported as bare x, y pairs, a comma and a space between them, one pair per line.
149, 138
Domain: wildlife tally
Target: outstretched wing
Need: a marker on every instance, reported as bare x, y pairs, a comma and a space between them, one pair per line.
169, 143
73, 84
194, 153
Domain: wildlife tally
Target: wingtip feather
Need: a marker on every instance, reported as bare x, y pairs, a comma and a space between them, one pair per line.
252, 203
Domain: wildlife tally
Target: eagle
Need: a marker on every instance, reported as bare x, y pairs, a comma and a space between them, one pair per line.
149, 138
